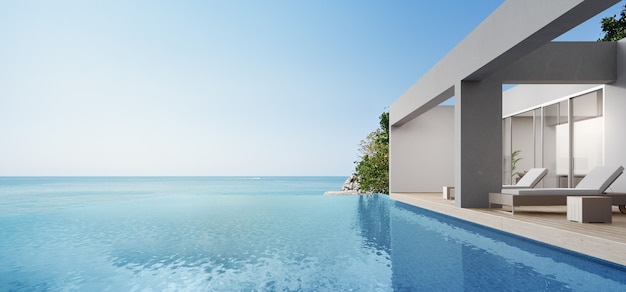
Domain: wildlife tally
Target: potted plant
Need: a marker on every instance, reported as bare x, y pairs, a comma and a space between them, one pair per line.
515, 158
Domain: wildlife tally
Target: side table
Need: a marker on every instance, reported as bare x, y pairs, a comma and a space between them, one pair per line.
589, 209
448, 193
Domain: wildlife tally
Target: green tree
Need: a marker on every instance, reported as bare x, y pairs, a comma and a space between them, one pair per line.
614, 29
372, 168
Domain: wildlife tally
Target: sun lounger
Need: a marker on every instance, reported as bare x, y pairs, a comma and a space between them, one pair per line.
529, 180
595, 183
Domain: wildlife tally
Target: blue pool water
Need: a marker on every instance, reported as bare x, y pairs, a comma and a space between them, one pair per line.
265, 234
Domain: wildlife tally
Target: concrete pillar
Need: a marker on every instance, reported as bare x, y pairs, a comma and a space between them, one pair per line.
615, 119
478, 142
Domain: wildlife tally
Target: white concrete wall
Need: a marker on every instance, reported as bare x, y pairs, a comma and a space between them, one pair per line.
421, 155
615, 119
528, 96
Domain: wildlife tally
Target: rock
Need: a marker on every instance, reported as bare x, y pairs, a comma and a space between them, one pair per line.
351, 184
341, 193
350, 187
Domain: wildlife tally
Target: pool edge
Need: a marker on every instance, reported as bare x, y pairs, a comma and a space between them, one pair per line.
602, 248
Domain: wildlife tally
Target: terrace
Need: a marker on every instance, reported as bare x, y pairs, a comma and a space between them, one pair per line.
565, 114
546, 224
469, 145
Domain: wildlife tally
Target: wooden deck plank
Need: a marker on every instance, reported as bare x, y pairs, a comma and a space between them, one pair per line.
547, 224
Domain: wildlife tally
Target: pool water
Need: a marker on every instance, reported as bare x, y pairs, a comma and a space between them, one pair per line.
214, 234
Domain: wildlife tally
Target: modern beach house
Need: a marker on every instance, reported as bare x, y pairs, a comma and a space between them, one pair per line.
566, 112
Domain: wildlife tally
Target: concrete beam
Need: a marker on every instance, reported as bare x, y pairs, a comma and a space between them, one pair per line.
515, 29
564, 63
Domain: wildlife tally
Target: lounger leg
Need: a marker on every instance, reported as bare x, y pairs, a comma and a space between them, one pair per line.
512, 209
622, 208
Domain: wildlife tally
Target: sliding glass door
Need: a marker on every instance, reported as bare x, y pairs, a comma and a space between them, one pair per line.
587, 134
566, 137
556, 145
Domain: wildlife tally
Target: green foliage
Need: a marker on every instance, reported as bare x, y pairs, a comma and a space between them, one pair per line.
614, 29
372, 168
514, 160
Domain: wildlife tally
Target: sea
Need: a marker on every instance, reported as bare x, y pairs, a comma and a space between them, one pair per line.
36, 194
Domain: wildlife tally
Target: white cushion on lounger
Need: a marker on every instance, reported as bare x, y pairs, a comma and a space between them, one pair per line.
530, 179
595, 183
551, 191
600, 178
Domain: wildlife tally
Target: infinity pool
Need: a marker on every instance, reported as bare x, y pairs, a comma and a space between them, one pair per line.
232, 242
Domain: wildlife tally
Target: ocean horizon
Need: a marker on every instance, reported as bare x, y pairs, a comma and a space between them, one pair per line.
35, 193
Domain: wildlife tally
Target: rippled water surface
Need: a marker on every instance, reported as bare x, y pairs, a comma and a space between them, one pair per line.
225, 234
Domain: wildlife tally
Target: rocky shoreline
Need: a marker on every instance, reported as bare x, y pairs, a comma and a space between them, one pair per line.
342, 193
350, 187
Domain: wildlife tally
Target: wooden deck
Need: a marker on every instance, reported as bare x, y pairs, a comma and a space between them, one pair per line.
547, 224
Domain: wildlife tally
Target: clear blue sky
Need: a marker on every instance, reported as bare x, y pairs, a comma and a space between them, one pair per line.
213, 87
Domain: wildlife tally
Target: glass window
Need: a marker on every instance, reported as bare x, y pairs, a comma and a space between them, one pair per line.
544, 137
587, 134
553, 125
522, 144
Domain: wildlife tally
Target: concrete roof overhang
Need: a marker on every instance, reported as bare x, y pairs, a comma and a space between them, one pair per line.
510, 34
